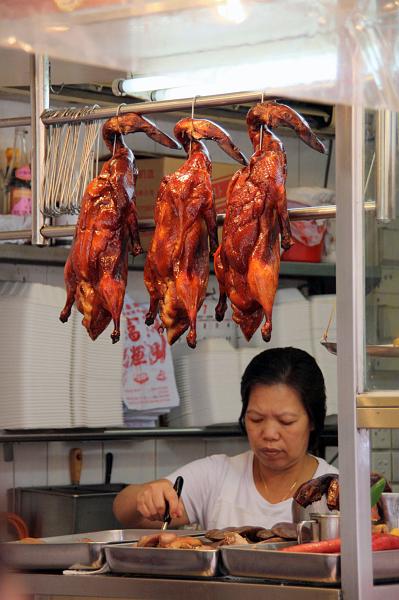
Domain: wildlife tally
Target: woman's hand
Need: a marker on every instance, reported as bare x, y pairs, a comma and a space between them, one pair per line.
152, 498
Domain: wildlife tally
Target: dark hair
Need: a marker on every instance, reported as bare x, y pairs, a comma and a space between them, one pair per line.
295, 368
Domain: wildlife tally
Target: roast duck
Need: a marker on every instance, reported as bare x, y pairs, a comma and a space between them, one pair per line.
247, 262
96, 269
327, 485
176, 270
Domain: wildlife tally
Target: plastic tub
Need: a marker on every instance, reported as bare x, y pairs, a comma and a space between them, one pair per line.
301, 253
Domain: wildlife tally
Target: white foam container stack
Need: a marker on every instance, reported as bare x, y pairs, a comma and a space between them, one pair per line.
35, 358
321, 307
96, 374
52, 374
208, 382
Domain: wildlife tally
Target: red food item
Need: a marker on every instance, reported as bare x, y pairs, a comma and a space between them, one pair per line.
247, 263
176, 271
96, 269
324, 547
380, 541
385, 541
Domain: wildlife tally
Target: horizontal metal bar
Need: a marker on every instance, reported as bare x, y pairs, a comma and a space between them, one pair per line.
160, 106
377, 418
15, 122
296, 214
121, 434
22, 234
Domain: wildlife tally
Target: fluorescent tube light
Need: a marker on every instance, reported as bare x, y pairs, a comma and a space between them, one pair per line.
269, 74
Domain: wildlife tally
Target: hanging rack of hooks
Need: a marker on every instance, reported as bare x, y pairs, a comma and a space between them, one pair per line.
54, 117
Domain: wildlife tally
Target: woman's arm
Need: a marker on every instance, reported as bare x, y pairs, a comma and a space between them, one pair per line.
143, 505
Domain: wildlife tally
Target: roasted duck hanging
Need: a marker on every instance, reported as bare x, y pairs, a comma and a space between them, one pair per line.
96, 269
247, 262
176, 271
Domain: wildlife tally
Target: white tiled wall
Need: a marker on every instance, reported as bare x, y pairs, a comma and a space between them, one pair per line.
42, 464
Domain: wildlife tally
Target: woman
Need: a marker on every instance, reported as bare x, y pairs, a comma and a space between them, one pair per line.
283, 411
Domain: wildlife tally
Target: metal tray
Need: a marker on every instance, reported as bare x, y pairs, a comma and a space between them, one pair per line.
127, 558
61, 552
381, 350
307, 568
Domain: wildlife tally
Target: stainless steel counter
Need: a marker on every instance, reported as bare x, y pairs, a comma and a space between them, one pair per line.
137, 588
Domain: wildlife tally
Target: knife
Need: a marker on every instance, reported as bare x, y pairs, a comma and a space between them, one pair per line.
178, 486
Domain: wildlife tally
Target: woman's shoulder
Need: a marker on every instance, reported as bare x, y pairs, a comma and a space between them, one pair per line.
324, 467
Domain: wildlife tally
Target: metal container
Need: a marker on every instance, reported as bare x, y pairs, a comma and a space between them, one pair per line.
390, 509
261, 563
321, 527
299, 513
64, 510
128, 558
61, 552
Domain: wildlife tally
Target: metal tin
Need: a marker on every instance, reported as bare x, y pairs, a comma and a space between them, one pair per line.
127, 558
61, 552
300, 567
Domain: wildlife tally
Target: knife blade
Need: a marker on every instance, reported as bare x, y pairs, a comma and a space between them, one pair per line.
178, 486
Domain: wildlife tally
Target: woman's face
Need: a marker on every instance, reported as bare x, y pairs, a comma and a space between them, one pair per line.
277, 425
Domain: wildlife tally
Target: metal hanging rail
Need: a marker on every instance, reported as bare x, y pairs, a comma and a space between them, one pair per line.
15, 122
160, 106
295, 214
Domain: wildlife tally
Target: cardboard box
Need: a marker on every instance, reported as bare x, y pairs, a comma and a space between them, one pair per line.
151, 172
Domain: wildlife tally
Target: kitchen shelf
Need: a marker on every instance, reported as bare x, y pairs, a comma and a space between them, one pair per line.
108, 586
329, 437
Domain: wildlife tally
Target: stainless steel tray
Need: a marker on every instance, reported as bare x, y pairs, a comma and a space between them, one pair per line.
307, 568
127, 558
381, 350
61, 552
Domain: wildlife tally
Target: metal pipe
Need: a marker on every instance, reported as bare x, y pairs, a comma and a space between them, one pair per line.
306, 213
160, 106
15, 122
385, 153
22, 234
353, 444
39, 96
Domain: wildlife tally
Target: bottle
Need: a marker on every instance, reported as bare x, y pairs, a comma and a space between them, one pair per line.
20, 184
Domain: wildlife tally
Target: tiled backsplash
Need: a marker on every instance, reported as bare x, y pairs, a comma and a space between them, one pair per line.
42, 464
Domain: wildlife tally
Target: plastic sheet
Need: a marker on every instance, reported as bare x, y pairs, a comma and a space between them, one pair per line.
344, 51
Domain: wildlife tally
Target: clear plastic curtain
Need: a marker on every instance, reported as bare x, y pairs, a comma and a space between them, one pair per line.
295, 48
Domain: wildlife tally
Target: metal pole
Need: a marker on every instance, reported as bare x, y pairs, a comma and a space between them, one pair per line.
160, 106
15, 122
385, 153
295, 214
353, 444
39, 97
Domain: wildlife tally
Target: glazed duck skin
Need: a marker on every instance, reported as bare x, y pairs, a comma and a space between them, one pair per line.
97, 266
176, 270
247, 262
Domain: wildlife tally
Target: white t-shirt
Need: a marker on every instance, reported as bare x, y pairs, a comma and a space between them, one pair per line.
219, 491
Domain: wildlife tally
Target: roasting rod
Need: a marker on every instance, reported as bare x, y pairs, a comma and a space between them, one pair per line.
307, 213
159, 106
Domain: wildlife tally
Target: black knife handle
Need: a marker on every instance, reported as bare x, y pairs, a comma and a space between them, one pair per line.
178, 486
109, 459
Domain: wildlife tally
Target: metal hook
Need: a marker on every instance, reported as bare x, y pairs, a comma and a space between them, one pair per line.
117, 120
192, 118
261, 127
